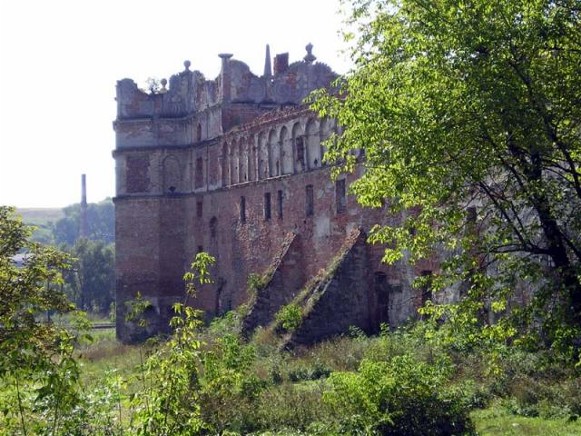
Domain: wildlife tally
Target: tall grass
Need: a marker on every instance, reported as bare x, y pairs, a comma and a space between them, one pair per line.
347, 385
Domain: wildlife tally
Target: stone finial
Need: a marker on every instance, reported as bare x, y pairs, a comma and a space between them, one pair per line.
309, 57
225, 56
164, 85
187, 65
267, 66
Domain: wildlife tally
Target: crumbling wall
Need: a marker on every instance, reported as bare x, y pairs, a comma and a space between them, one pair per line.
232, 166
341, 299
278, 285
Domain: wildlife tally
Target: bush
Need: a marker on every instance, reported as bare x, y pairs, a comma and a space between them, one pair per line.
399, 396
289, 317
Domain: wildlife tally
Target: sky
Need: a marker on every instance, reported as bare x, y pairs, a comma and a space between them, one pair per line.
60, 61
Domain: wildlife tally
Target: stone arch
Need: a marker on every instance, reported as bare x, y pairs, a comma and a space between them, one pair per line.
199, 172
199, 132
262, 156
233, 162
274, 154
326, 130
243, 160
287, 151
251, 158
298, 142
171, 175
313, 144
225, 165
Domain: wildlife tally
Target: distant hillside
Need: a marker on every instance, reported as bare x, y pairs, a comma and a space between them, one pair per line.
58, 226
40, 216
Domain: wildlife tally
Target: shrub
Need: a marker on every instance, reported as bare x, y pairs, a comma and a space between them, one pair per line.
399, 396
289, 317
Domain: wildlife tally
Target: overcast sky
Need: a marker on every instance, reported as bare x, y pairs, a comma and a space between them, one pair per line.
60, 61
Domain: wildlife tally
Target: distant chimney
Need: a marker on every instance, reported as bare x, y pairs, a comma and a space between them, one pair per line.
84, 230
280, 63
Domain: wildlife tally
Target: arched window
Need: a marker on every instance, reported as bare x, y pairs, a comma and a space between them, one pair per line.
199, 176
171, 175
225, 165
327, 128
299, 148
287, 151
243, 160
313, 145
233, 162
274, 154
262, 156
199, 133
213, 227
252, 158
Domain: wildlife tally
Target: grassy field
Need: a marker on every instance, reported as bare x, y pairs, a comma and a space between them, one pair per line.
495, 421
105, 355
209, 376
40, 216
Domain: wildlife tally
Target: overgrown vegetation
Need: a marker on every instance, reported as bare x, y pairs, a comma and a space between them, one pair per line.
430, 377
207, 380
89, 282
469, 116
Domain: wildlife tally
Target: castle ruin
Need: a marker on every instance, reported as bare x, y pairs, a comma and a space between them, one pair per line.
234, 167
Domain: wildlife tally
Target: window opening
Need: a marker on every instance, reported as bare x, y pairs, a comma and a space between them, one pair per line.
267, 206
243, 209
340, 197
382, 293
199, 172
279, 198
199, 208
310, 206
300, 152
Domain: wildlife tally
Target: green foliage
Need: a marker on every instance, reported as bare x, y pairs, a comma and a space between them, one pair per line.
100, 220
398, 396
90, 282
255, 282
36, 355
469, 120
228, 389
169, 402
136, 310
289, 317
496, 420
422, 379
42, 220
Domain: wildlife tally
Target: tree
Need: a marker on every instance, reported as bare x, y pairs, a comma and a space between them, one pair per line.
35, 354
101, 223
90, 283
469, 114
27, 291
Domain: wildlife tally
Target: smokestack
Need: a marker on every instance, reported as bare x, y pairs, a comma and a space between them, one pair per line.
84, 230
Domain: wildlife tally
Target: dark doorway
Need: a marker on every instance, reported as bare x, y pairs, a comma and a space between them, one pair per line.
382, 292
